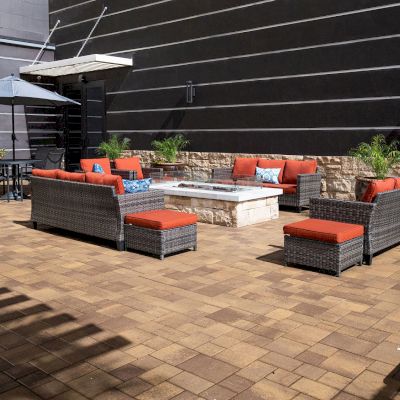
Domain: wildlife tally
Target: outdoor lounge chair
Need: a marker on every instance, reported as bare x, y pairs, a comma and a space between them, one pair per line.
299, 180
380, 218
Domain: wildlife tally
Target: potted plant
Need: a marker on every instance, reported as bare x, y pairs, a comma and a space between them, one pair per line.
167, 151
379, 156
3, 152
114, 147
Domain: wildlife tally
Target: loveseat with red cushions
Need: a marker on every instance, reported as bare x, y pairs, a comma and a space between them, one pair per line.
128, 168
378, 212
88, 203
299, 180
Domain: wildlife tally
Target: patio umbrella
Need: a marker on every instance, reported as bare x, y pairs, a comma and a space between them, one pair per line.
16, 91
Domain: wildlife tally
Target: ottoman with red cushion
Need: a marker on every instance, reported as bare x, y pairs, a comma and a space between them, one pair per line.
160, 232
327, 245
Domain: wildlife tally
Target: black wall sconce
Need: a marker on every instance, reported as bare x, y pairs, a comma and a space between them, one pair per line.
190, 92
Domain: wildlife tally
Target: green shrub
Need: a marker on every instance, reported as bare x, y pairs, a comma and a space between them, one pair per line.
380, 156
113, 147
167, 149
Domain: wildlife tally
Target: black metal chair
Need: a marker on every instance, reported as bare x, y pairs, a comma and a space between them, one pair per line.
41, 155
48, 158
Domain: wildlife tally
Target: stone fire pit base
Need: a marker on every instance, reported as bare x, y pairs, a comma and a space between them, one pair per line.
226, 213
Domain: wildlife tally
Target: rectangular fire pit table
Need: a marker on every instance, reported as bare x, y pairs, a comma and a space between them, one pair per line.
237, 204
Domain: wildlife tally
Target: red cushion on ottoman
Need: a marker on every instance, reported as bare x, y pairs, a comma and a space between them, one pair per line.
324, 231
161, 219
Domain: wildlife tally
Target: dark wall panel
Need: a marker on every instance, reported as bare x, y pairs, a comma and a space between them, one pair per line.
319, 88
297, 77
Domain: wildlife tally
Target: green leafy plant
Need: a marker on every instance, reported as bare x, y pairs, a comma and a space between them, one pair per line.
114, 147
3, 152
380, 156
167, 149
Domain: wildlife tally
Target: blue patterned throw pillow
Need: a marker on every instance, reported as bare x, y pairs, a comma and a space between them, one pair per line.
136, 186
268, 175
98, 169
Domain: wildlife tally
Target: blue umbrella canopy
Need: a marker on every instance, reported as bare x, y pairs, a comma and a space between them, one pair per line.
16, 91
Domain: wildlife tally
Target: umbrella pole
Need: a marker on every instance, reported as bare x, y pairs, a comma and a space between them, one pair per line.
13, 131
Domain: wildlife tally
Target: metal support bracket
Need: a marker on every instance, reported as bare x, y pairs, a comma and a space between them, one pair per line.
45, 43
91, 32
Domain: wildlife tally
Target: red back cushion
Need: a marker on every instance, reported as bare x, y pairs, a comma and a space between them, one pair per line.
397, 183
87, 164
71, 176
264, 163
244, 167
295, 167
131, 164
45, 173
378, 186
106, 179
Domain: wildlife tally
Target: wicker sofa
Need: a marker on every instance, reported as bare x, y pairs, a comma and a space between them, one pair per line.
296, 192
90, 209
381, 219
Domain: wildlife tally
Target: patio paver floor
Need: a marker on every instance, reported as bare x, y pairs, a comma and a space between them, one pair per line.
80, 320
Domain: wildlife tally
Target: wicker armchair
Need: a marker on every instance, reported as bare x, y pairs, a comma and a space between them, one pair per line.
381, 219
93, 210
308, 186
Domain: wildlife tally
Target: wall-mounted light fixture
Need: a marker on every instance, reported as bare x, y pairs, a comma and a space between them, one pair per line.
190, 92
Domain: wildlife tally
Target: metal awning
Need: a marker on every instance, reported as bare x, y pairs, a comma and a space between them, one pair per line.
76, 65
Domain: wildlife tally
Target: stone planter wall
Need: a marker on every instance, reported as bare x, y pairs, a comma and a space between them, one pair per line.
338, 172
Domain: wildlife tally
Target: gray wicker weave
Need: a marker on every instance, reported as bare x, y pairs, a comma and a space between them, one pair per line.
381, 219
93, 210
308, 186
160, 242
328, 257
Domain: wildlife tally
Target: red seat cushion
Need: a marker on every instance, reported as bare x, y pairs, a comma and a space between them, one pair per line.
45, 173
244, 167
106, 179
71, 176
161, 219
378, 186
130, 164
87, 164
264, 163
397, 183
287, 188
295, 167
323, 230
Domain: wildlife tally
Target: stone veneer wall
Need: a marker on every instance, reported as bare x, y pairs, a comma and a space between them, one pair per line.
338, 173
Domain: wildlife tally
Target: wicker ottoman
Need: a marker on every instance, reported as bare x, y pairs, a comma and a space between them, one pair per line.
160, 232
329, 246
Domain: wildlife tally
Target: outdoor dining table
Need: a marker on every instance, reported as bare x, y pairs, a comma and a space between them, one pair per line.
16, 167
